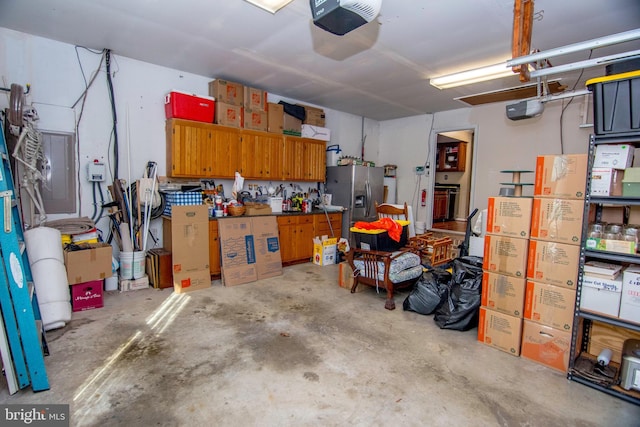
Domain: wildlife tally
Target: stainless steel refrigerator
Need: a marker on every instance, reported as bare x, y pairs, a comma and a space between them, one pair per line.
356, 188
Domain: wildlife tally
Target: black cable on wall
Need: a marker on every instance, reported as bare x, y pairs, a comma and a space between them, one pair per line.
113, 113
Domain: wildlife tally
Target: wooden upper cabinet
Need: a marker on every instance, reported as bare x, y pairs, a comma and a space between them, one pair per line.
452, 157
188, 149
262, 155
206, 150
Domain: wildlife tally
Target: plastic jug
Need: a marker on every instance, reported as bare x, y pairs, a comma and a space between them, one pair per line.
333, 154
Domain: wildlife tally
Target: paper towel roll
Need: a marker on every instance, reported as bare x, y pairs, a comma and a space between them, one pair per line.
43, 243
390, 183
50, 280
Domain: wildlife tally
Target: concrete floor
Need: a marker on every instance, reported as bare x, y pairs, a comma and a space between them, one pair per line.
297, 350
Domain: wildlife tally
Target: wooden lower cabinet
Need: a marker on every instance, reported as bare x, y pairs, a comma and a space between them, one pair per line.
440, 205
328, 225
296, 238
214, 249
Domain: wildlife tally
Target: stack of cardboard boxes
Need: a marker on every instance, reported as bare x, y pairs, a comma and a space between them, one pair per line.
531, 258
243, 106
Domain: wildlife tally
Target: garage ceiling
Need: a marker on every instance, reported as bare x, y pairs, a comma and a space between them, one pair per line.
380, 70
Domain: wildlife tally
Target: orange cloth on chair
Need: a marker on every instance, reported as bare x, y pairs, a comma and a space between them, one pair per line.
393, 228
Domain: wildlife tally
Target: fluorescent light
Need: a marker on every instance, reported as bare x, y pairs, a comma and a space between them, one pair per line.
472, 76
270, 5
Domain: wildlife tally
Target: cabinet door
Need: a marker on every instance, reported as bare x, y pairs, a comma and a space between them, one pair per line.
262, 155
439, 205
303, 236
188, 149
226, 151
214, 249
451, 157
286, 233
293, 158
315, 160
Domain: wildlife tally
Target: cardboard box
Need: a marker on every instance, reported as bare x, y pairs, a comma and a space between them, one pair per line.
228, 92
316, 132
553, 263
557, 220
546, 345
630, 297
550, 305
504, 294
91, 262
291, 125
237, 251
87, 295
191, 281
255, 99
617, 156
186, 236
500, 330
505, 255
615, 214
260, 209
601, 295
313, 116
275, 117
267, 244
561, 176
228, 114
324, 250
134, 284
606, 182
181, 105
255, 120
509, 216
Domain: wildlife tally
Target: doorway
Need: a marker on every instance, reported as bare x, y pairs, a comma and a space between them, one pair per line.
453, 180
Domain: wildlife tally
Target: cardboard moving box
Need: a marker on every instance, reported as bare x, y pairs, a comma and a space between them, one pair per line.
505, 255
267, 245
500, 330
546, 345
557, 220
509, 216
91, 262
237, 251
503, 293
554, 263
561, 176
550, 305
228, 92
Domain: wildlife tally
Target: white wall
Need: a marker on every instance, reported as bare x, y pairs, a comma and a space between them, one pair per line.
53, 70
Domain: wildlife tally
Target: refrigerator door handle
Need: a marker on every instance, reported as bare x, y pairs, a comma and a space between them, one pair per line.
368, 201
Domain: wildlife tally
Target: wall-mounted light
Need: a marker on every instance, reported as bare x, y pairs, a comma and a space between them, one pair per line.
472, 76
270, 5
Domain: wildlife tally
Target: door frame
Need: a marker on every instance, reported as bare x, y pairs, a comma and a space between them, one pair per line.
433, 149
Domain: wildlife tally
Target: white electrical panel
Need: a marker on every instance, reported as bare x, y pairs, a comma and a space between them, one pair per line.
96, 172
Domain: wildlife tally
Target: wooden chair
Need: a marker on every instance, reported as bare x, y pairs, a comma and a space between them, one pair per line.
386, 210
387, 270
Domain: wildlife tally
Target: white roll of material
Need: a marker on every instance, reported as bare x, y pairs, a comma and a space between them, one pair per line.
43, 243
50, 280
55, 314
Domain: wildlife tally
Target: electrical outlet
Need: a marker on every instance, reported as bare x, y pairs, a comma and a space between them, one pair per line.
419, 170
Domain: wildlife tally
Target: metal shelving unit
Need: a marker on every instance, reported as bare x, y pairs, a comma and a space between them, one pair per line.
583, 319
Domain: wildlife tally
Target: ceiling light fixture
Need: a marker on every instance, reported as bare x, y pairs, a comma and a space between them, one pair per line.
270, 5
472, 76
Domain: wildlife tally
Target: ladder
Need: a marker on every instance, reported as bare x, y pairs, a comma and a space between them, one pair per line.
22, 341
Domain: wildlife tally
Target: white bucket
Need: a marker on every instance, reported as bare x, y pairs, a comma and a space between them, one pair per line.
126, 265
138, 264
111, 283
420, 226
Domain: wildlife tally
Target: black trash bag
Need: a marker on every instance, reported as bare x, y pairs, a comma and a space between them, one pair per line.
462, 302
428, 293
294, 110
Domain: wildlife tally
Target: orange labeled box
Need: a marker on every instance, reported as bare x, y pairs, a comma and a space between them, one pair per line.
500, 331
550, 305
509, 216
561, 176
557, 220
554, 263
505, 255
503, 293
546, 345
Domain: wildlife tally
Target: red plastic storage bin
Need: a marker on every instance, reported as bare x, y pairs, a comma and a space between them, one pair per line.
181, 105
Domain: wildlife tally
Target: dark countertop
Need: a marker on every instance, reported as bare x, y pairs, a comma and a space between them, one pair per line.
313, 212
